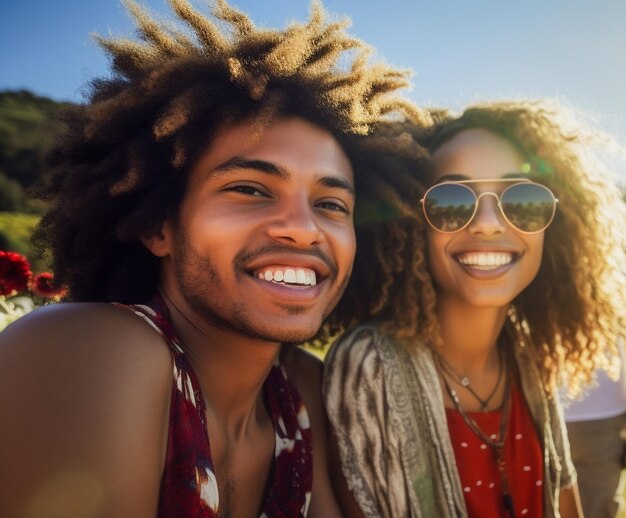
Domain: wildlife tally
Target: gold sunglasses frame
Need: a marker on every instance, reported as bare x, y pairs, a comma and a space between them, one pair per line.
513, 181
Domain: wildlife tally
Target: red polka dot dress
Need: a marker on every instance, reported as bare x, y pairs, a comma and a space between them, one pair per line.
480, 478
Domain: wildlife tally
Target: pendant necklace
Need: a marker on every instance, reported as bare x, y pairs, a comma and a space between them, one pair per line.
496, 444
463, 381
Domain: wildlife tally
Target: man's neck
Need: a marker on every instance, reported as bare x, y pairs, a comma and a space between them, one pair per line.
231, 369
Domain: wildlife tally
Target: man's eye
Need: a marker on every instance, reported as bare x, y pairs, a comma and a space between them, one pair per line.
247, 189
334, 206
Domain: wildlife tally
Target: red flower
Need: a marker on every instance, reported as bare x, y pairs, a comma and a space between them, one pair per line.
14, 273
43, 285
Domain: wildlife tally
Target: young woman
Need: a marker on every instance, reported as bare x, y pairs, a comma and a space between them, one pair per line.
503, 278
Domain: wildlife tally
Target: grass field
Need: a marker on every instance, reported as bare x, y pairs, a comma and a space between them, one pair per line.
16, 229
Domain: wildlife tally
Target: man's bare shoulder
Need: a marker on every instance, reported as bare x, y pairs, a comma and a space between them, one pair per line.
82, 331
68, 322
89, 348
86, 388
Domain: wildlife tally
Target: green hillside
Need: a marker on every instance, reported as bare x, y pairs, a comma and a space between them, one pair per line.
28, 127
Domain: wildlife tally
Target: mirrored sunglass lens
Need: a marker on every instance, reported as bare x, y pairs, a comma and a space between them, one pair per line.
449, 207
529, 207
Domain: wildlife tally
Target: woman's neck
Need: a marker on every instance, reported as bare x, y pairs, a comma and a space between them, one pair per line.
469, 336
468, 358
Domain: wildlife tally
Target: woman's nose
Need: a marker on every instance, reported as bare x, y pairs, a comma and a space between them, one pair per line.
488, 219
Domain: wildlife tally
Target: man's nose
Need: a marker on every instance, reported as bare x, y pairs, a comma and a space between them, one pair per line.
295, 223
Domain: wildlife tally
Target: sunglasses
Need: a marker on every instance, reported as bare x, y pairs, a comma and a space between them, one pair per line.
527, 206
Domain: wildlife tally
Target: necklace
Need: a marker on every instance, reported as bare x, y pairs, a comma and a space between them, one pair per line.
496, 444
463, 381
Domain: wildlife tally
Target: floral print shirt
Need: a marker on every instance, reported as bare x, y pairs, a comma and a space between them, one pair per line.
188, 485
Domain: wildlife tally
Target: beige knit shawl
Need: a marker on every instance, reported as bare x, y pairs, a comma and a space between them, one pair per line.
387, 411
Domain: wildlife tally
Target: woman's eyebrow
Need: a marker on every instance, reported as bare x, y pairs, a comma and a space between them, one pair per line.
456, 177
453, 177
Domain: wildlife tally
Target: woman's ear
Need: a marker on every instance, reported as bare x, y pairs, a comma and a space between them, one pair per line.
159, 242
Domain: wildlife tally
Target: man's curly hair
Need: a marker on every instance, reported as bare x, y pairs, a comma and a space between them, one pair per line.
573, 313
120, 171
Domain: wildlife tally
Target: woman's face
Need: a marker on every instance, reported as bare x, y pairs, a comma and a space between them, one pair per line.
488, 263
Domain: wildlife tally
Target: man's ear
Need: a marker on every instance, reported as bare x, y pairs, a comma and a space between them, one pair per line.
159, 242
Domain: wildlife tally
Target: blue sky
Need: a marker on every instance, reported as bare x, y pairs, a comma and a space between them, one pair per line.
460, 51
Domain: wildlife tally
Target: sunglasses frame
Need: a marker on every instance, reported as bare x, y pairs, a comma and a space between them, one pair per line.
477, 197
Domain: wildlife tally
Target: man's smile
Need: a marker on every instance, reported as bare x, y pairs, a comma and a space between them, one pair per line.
287, 275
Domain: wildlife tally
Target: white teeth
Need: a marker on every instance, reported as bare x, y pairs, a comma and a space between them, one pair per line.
301, 276
486, 260
290, 276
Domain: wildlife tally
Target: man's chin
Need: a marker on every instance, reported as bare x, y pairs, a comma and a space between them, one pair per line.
295, 326
288, 329
284, 336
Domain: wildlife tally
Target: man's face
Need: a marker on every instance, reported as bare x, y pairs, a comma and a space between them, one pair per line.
264, 242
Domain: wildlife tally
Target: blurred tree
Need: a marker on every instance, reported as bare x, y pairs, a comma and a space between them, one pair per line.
11, 195
28, 127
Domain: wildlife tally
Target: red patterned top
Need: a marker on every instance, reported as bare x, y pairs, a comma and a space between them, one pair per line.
188, 485
475, 461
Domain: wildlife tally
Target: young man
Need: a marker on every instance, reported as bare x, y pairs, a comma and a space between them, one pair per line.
207, 189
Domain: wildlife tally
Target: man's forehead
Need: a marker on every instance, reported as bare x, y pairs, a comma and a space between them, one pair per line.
280, 148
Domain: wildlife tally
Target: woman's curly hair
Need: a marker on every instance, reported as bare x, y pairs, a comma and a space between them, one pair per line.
573, 313
120, 171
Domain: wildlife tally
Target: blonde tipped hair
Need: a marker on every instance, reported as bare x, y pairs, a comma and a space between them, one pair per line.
254, 58
120, 170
